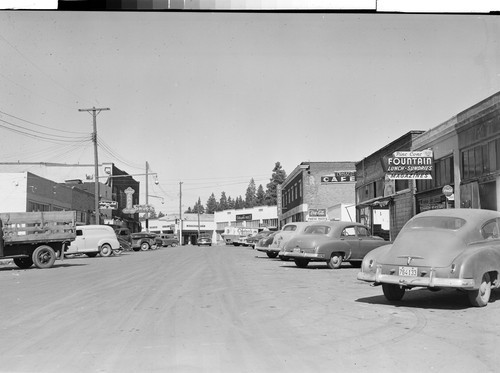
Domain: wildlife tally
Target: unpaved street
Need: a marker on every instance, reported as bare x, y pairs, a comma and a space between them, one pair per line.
231, 309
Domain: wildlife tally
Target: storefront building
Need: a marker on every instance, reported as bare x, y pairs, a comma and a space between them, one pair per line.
260, 217
313, 188
382, 204
192, 227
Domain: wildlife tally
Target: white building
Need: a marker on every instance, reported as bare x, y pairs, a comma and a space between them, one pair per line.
256, 217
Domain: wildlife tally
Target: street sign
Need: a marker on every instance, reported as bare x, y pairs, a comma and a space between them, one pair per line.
144, 208
447, 190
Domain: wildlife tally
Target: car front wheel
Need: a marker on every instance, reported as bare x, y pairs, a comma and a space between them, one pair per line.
393, 292
271, 254
301, 263
145, 246
480, 297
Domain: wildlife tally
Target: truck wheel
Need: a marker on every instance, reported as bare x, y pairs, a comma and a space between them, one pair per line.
106, 250
44, 256
23, 263
145, 246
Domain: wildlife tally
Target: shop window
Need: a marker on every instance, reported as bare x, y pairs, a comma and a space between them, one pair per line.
401, 185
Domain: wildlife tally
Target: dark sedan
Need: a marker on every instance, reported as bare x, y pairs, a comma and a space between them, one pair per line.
332, 242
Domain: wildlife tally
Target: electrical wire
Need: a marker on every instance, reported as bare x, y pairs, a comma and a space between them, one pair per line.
40, 125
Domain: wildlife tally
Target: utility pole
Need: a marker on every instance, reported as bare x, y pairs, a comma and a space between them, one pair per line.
95, 111
147, 200
180, 213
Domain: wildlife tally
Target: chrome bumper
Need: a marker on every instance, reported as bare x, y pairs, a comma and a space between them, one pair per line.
430, 282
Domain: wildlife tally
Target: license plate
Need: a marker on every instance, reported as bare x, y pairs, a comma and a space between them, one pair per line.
408, 271
296, 250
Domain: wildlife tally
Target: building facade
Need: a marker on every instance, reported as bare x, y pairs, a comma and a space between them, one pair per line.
382, 204
260, 217
314, 189
190, 227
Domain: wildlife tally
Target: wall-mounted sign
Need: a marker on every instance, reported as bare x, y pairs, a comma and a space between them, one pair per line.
244, 217
129, 209
112, 205
317, 215
144, 208
407, 165
339, 177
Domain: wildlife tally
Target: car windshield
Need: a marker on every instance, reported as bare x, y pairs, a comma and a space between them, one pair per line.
317, 229
440, 222
290, 228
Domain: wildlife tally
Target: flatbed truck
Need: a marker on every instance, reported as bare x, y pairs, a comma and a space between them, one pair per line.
36, 237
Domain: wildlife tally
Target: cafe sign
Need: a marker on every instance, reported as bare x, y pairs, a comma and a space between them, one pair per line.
339, 177
407, 165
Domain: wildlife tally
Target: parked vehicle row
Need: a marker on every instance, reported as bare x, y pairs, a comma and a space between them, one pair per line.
450, 248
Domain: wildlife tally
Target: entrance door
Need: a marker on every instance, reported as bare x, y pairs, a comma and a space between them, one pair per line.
488, 195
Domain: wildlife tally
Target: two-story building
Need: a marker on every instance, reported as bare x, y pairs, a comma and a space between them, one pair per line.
318, 191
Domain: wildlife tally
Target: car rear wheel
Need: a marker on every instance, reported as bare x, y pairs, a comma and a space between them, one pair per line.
272, 255
145, 246
106, 250
335, 261
174, 244
393, 292
481, 296
301, 263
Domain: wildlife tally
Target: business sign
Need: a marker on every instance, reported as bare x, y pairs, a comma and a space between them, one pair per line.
317, 215
407, 165
144, 208
339, 177
244, 217
129, 209
112, 205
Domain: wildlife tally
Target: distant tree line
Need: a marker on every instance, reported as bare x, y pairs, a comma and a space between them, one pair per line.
254, 196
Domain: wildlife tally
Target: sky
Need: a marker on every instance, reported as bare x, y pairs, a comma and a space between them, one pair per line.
213, 100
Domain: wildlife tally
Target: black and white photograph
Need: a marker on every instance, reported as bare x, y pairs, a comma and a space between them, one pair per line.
249, 186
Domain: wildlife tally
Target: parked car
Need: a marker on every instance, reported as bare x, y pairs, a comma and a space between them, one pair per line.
284, 235
332, 242
264, 243
204, 241
253, 239
94, 239
169, 239
124, 238
145, 241
451, 248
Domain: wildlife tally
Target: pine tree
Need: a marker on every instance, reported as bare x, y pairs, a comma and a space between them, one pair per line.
278, 177
230, 203
261, 196
251, 194
211, 204
198, 207
223, 202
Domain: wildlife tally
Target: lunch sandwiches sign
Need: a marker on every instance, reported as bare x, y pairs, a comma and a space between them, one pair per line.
405, 165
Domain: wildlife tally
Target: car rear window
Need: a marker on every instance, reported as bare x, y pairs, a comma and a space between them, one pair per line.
440, 222
317, 229
290, 228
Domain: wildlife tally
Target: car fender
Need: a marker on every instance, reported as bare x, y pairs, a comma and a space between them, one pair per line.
375, 255
329, 247
114, 244
473, 263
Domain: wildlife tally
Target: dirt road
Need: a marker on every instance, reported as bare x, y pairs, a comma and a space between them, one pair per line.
228, 309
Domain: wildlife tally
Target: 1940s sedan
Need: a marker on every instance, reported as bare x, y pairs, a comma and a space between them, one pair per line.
332, 242
451, 248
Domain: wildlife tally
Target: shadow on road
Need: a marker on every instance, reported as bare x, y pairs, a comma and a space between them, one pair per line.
13, 267
446, 299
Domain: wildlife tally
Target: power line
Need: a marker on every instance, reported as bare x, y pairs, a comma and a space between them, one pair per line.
40, 125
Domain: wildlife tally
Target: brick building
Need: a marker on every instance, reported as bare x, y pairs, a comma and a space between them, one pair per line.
313, 188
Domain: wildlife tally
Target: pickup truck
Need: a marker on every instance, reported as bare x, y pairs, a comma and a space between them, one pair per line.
36, 237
